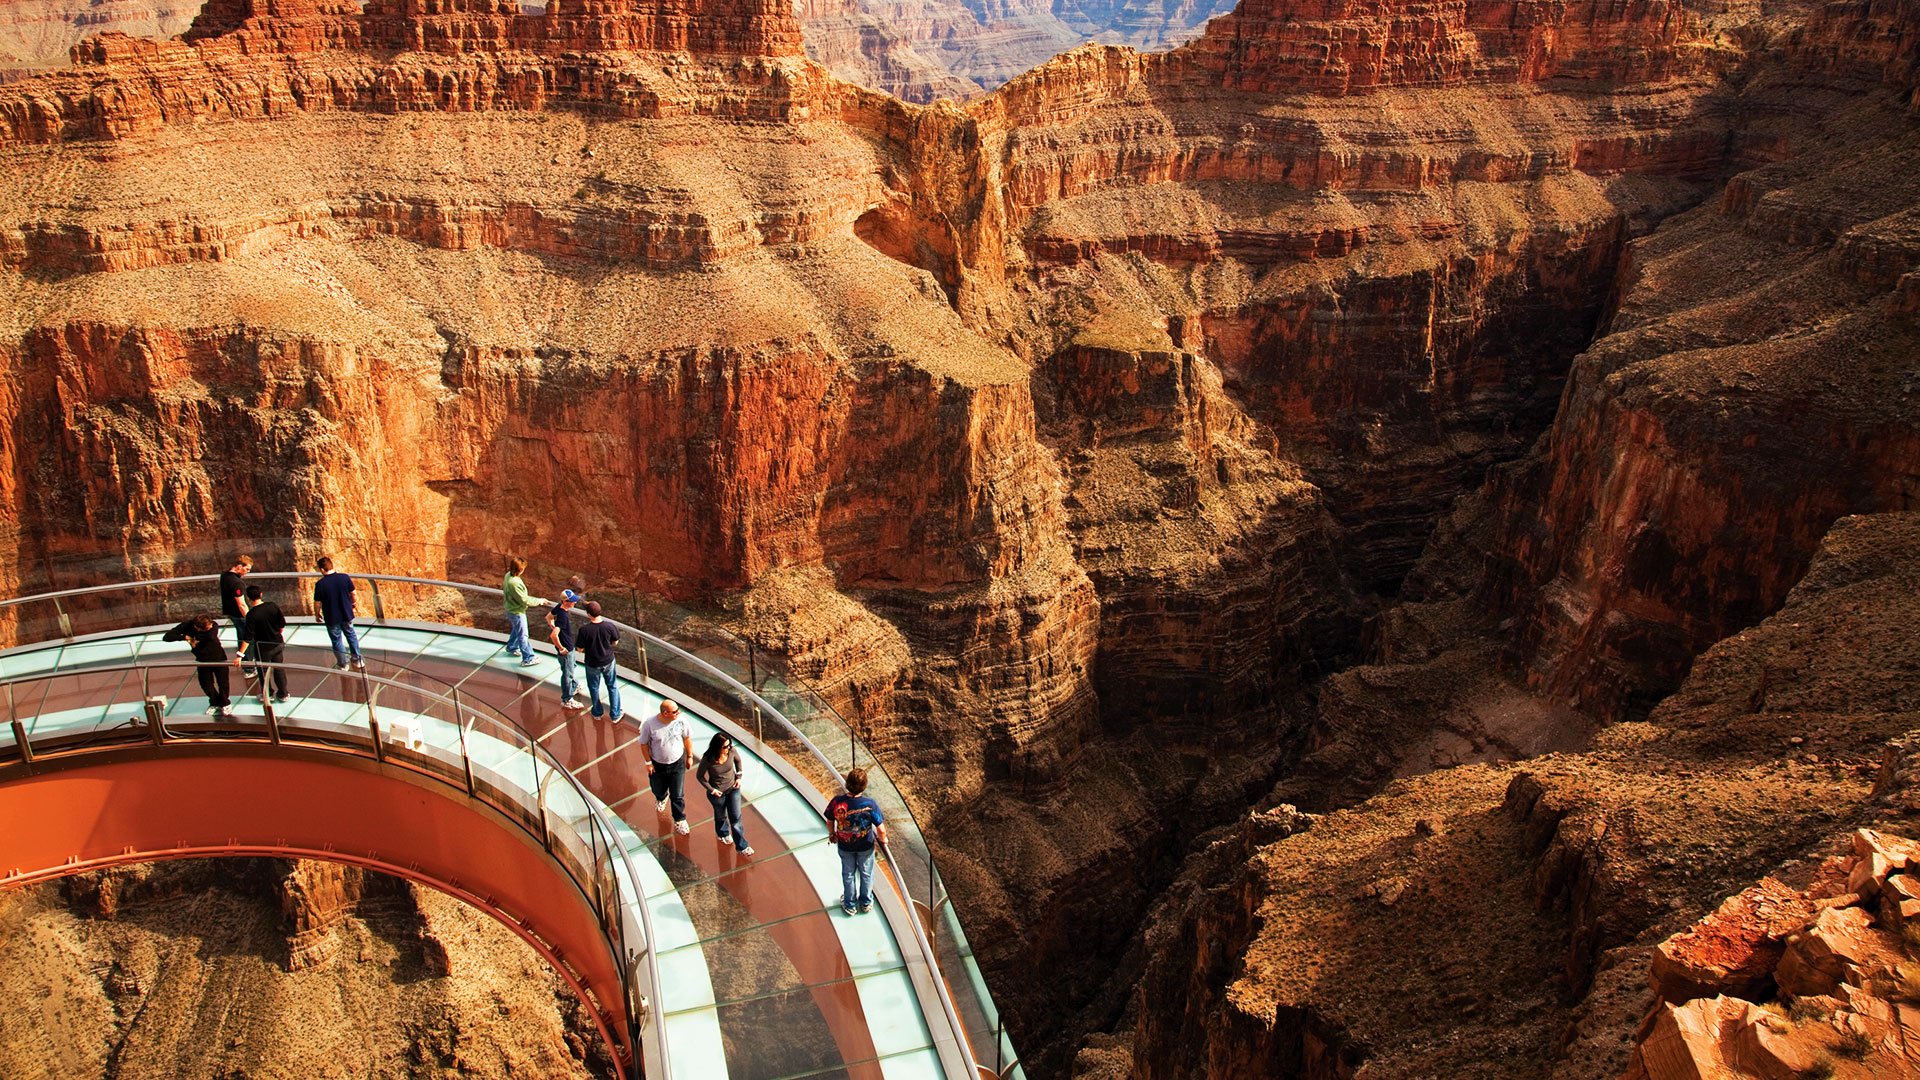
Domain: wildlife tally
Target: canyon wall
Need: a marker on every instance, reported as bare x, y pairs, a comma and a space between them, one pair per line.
1067, 436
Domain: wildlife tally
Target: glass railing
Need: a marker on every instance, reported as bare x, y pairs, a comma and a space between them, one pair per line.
95, 705
677, 647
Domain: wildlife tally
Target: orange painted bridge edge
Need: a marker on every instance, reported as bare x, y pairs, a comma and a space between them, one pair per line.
194, 800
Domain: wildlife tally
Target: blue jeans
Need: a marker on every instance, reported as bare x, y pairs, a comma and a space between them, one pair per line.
726, 817
568, 686
338, 631
596, 676
856, 867
517, 636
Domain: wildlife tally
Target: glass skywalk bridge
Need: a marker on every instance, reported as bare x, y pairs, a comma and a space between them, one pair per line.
732, 966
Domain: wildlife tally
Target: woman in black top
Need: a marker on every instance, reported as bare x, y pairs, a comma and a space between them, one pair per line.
720, 772
199, 632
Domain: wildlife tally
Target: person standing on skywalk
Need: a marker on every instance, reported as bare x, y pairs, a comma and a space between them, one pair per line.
333, 595
513, 589
266, 643
669, 742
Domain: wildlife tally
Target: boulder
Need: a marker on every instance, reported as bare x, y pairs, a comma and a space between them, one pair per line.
1840, 948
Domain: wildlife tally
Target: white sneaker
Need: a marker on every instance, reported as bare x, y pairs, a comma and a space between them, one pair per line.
571, 705
214, 710
682, 828
359, 664
661, 806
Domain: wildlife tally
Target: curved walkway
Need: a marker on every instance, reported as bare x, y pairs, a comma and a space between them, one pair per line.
760, 976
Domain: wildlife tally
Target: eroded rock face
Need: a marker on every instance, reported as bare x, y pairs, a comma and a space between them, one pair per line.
1836, 993
1064, 436
1588, 872
260, 966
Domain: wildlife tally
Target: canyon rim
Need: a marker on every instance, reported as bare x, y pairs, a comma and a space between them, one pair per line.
1349, 531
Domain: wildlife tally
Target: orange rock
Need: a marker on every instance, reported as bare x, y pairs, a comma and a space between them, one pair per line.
1717, 1038
1735, 949
1841, 948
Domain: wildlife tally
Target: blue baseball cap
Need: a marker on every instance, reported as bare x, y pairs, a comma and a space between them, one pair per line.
569, 596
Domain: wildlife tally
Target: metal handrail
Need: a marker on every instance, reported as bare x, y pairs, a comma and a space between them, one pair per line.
725, 680
599, 831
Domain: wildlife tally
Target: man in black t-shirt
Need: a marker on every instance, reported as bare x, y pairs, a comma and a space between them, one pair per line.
266, 642
560, 632
597, 640
230, 591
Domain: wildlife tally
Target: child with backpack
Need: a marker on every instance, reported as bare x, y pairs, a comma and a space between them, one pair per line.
857, 826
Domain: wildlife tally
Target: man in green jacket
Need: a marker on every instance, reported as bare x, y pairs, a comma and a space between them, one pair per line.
517, 601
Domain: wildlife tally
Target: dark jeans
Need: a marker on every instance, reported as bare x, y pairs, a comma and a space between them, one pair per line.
271, 653
726, 817
213, 682
670, 781
239, 631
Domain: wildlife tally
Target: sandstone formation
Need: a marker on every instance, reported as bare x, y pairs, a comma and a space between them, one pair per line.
38, 34
208, 969
1507, 920
1834, 959
1070, 437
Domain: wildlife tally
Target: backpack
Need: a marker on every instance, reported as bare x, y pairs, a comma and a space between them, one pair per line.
852, 824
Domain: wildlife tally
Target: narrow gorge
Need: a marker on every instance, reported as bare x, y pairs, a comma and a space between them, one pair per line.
1349, 530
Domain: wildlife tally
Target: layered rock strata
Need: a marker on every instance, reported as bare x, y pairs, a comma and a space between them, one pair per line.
1067, 435
1504, 919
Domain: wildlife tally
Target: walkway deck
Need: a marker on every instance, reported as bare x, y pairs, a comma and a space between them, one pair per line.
761, 975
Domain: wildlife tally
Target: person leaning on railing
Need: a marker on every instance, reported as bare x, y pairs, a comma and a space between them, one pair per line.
201, 634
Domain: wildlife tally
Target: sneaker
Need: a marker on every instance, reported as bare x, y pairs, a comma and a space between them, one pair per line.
615, 720
528, 662
661, 806
213, 710
571, 705
224, 710
747, 851
864, 908
848, 908
726, 838
682, 827
339, 667
359, 664
279, 698
579, 695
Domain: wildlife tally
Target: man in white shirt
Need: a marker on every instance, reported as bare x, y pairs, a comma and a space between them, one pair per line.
669, 741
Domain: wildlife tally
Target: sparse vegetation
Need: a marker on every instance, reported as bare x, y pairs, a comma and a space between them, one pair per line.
1854, 1045
1807, 1010
1822, 1070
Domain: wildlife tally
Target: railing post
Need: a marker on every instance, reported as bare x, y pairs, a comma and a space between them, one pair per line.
546, 830
266, 702
753, 668
66, 621
379, 609
156, 729
460, 725
20, 740
759, 727
373, 719
645, 674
